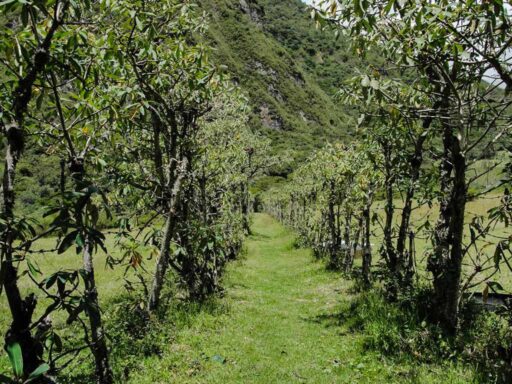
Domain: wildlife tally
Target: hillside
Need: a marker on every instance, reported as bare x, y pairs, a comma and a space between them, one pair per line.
288, 69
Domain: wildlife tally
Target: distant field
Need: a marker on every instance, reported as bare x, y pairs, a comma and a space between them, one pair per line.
479, 207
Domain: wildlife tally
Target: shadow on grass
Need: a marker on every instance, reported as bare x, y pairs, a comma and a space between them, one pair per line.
402, 332
336, 320
134, 335
259, 236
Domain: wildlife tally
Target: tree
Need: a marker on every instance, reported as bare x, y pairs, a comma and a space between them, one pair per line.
334, 188
28, 46
449, 47
396, 131
169, 83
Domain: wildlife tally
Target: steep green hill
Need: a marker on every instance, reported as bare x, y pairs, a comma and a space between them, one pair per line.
289, 70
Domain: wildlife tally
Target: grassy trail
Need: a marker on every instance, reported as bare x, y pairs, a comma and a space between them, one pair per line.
278, 323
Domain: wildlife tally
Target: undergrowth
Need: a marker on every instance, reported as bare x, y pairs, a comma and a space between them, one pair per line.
402, 331
136, 336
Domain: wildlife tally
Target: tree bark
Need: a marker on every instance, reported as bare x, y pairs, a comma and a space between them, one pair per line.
333, 246
346, 239
415, 168
353, 250
367, 248
165, 248
99, 344
92, 307
21, 309
389, 209
245, 209
446, 261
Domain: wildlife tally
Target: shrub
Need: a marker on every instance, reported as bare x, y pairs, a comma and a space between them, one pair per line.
402, 329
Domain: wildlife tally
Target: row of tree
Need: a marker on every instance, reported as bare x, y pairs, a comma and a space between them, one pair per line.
436, 104
149, 142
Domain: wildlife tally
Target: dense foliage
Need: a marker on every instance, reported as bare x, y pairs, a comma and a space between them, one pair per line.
151, 151
141, 140
437, 105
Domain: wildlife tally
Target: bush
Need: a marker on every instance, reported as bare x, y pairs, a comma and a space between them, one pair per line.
402, 330
135, 335
398, 329
488, 345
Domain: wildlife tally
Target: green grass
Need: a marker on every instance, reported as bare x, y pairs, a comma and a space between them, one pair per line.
280, 321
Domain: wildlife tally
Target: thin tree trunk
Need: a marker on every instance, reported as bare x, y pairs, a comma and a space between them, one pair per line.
346, 238
245, 209
157, 152
98, 340
99, 345
165, 248
367, 248
415, 169
446, 261
355, 245
389, 249
333, 246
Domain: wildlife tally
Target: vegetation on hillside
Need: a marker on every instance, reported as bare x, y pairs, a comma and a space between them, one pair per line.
267, 47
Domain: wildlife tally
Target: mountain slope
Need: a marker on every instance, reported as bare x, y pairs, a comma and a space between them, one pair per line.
288, 69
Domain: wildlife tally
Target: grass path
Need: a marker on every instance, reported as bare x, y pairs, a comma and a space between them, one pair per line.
278, 324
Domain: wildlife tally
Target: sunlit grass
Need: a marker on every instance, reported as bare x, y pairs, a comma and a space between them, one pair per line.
280, 321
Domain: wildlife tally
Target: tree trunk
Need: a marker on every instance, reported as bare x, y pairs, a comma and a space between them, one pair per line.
165, 248
367, 248
333, 246
446, 261
353, 250
162, 263
157, 153
99, 345
346, 239
389, 253
92, 308
21, 309
245, 209
415, 168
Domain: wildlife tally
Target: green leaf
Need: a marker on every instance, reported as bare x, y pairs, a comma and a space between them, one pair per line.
388, 6
79, 240
67, 242
495, 286
50, 281
16, 358
33, 268
41, 370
